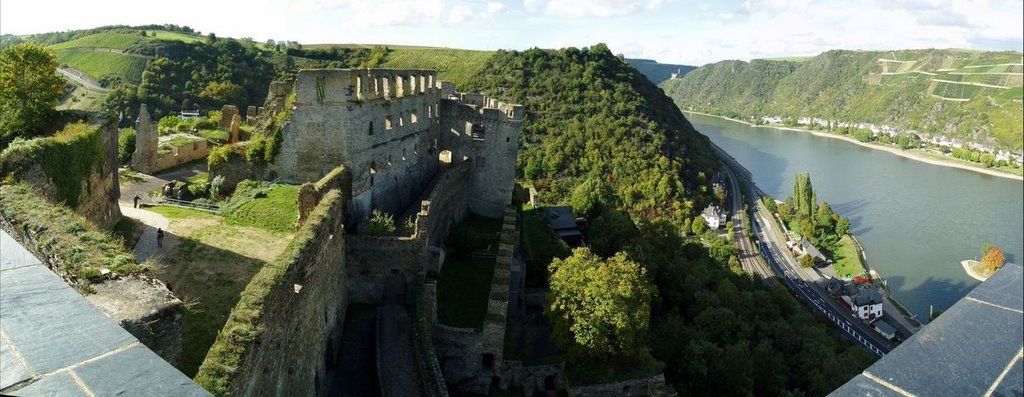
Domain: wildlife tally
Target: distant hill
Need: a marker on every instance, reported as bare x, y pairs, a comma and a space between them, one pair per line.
658, 72
971, 95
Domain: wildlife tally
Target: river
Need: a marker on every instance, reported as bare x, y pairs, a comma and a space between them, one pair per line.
916, 221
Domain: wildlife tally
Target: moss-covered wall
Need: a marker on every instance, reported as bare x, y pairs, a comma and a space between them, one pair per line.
77, 167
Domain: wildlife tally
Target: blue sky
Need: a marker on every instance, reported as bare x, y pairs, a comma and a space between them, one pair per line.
670, 31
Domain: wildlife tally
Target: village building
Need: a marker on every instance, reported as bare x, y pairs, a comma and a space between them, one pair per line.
713, 216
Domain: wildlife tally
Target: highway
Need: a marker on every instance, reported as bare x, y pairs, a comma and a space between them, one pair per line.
772, 247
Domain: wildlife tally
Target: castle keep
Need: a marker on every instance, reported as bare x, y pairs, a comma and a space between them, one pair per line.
395, 130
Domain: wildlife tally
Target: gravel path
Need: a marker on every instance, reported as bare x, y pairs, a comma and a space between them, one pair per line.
150, 183
146, 247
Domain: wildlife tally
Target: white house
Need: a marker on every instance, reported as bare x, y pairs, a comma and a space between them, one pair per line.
714, 217
866, 304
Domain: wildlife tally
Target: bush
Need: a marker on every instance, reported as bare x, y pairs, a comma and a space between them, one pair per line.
381, 223
216, 185
126, 145
168, 124
219, 155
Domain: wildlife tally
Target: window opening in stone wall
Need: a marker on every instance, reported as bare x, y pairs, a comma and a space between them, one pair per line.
376, 85
373, 171
399, 90
430, 112
403, 154
321, 92
388, 124
412, 116
478, 131
412, 85
389, 159
370, 130
401, 120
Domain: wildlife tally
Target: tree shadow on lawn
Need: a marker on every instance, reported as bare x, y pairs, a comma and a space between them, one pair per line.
209, 281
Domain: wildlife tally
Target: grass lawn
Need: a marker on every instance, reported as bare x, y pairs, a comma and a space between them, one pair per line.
82, 98
846, 260
277, 211
207, 262
218, 136
164, 35
462, 290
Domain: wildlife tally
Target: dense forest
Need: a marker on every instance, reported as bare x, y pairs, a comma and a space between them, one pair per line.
593, 120
973, 96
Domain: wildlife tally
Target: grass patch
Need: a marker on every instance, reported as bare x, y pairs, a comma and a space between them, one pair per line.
462, 290
82, 98
277, 211
846, 260
81, 248
175, 36
218, 136
208, 262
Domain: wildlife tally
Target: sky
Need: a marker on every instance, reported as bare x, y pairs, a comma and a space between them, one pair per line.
669, 31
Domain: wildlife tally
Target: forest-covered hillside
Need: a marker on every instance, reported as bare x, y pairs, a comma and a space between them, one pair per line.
973, 96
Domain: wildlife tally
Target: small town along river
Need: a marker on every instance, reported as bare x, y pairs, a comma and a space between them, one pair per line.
916, 221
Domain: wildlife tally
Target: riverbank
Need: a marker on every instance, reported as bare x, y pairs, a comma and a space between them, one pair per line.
902, 153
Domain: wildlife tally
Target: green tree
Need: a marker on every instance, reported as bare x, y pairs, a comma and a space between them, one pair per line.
610, 231
842, 226
806, 261
125, 145
29, 90
699, 225
219, 93
803, 195
602, 305
590, 197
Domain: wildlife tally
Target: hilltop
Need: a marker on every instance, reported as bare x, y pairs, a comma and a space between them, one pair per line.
658, 72
971, 96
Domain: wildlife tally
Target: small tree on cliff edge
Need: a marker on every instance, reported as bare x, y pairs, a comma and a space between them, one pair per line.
600, 307
993, 259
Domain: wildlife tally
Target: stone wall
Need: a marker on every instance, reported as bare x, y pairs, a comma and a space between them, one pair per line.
458, 352
487, 131
195, 150
423, 343
532, 378
287, 325
498, 300
310, 194
381, 124
643, 387
146, 142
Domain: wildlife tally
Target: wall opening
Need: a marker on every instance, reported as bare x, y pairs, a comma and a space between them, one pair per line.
370, 130
412, 116
399, 90
479, 132
388, 124
412, 85
403, 154
445, 156
401, 120
321, 90
430, 112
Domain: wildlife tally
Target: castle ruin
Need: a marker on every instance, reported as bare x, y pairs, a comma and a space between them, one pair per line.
358, 140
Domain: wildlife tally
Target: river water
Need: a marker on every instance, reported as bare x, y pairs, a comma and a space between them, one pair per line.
916, 221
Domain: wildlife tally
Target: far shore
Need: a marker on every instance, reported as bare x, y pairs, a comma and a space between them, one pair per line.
902, 153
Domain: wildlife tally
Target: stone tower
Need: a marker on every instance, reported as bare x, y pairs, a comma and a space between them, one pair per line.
146, 142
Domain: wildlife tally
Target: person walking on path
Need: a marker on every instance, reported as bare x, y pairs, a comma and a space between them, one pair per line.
136, 201
159, 238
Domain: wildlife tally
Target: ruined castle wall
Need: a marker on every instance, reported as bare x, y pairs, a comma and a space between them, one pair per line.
490, 136
371, 259
287, 326
380, 123
195, 150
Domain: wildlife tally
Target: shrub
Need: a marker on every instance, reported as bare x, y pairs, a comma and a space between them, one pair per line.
381, 223
126, 145
168, 124
218, 156
216, 185
255, 153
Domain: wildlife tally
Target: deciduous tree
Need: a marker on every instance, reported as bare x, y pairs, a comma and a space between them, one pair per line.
993, 259
29, 90
602, 305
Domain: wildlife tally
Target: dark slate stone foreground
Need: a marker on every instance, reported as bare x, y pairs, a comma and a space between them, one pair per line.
972, 349
54, 342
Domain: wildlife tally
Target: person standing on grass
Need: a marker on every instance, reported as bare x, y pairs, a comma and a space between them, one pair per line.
159, 237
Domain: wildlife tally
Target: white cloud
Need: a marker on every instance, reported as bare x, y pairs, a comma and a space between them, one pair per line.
591, 8
494, 8
459, 14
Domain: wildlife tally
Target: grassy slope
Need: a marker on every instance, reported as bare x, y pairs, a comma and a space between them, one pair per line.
849, 86
118, 41
276, 212
97, 64
457, 66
